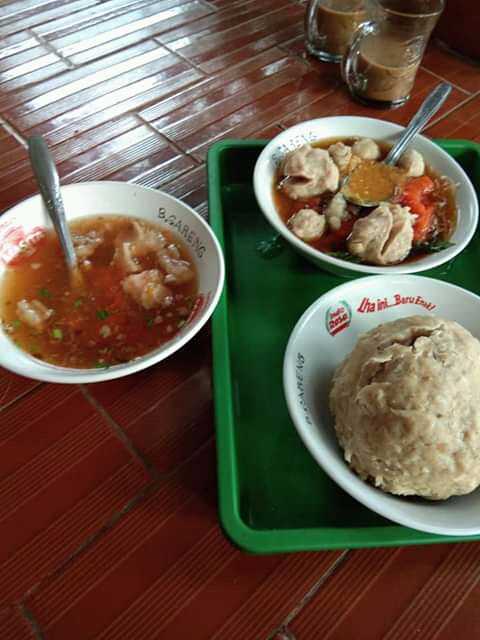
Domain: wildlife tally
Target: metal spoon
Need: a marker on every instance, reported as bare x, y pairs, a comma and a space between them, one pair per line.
428, 109
48, 181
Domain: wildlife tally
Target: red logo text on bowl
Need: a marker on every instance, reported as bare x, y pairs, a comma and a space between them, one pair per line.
338, 317
369, 305
17, 245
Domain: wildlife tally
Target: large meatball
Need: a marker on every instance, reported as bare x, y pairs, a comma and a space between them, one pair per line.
406, 404
311, 172
383, 237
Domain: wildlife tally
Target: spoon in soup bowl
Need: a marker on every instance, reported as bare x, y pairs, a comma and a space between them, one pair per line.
374, 182
48, 181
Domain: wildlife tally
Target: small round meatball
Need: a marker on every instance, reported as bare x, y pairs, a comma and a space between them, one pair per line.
366, 149
336, 212
307, 224
413, 163
341, 155
310, 173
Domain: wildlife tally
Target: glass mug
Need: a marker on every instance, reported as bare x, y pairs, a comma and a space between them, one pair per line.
383, 61
330, 26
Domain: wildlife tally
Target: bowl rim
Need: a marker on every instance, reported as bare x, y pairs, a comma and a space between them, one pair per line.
417, 266
46, 372
360, 491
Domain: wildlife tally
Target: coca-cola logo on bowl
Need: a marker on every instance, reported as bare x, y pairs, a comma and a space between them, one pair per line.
16, 244
338, 317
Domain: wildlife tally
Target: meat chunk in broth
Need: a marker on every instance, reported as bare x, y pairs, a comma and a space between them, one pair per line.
134, 243
367, 149
413, 163
147, 289
177, 271
126, 257
341, 155
336, 211
310, 172
383, 237
307, 224
34, 314
86, 244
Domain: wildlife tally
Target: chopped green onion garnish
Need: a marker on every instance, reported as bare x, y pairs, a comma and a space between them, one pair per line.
57, 333
78, 303
44, 293
102, 314
101, 365
150, 322
16, 324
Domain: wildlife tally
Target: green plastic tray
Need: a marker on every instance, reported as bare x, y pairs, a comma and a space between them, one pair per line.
273, 496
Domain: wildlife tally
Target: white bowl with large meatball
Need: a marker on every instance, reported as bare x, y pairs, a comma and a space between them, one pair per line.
382, 382
426, 209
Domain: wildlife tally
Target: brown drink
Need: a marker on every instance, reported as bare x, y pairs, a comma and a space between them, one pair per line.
330, 27
389, 74
337, 22
386, 52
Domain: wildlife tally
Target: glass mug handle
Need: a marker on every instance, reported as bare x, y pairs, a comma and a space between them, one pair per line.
311, 27
350, 73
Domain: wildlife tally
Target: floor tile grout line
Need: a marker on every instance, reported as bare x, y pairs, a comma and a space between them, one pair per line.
311, 593
443, 79
210, 6
142, 495
49, 47
451, 111
171, 142
11, 129
157, 476
119, 433
91, 539
32, 622
20, 397
182, 57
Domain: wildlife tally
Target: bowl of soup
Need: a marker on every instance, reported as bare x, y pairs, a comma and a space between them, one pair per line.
152, 272
426, 209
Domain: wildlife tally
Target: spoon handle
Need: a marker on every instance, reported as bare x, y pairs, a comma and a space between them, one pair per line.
49, 184
429, 108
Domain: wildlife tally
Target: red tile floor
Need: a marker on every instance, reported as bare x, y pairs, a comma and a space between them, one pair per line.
108, 517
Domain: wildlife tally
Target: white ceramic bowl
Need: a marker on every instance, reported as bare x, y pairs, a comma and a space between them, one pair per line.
22, 225
347, 126
323, 337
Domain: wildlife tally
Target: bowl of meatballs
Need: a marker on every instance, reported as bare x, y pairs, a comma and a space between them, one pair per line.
323, 186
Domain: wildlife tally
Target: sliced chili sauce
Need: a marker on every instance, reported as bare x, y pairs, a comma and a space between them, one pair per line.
442, 197
99, 325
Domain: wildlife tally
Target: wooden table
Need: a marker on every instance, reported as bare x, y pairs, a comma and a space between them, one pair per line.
108, 518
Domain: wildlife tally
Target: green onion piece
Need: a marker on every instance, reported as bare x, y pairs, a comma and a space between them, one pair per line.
101, 365
78, 303
150, 322
16, 324
44, 293
57, 333
433, 246
102, 314
343, 255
